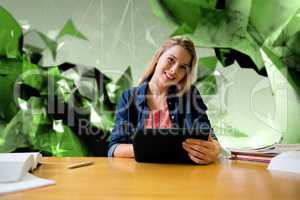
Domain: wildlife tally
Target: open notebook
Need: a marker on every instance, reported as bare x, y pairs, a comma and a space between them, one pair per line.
14, 172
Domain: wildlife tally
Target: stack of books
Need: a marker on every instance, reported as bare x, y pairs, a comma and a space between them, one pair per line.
252, 156
14, 172
264, 154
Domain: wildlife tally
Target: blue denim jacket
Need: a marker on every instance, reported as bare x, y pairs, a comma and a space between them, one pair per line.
186, 111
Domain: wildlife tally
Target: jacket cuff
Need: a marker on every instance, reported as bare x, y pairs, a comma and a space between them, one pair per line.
111, 150
213, 135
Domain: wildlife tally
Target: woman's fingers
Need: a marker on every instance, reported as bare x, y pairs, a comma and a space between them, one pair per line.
206, 144
193, 151
197, 160
199, 148
196, 154
206, 151
212, 146
210, 138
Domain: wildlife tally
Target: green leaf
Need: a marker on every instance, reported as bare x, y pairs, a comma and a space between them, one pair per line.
115, 89
33, 76
48, 136
70, 29
37, 41
180, 11
183, 29
57, 142
12, 137
125, 81
208, 85
10, 35
273, 61
224, 56
9, 72
209, 27
206, 81
87, 80
65, 89
160, 10
206, 66
226, 29
201, 3
286, 45
101, 116
270, 17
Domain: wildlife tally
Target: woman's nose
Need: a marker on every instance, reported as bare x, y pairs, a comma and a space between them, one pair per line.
173, 69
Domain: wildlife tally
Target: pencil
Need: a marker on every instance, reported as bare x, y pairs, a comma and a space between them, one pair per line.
81, 164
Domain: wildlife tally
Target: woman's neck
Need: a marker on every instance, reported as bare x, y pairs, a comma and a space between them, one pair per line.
155, 89
156, 96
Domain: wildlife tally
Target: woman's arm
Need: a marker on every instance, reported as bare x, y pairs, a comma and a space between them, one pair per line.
198, 112
119, 145
200, 151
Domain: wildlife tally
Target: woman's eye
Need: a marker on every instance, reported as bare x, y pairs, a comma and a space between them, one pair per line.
170, 60
184, 67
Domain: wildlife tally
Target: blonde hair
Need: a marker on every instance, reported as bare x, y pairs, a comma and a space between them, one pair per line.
188, 45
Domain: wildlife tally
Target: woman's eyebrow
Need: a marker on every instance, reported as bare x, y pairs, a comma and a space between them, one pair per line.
176, 59
173, 56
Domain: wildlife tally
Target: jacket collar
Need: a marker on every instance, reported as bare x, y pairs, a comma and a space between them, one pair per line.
142, 91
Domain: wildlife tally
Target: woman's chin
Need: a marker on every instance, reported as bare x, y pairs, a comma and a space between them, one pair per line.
166, 83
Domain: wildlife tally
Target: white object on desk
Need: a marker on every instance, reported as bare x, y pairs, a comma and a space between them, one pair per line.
13, 166
29, 181
287, 161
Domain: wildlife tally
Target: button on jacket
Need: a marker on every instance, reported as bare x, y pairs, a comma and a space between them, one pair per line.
186, 111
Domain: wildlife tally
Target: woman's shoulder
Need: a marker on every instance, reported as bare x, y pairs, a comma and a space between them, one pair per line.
193, 90
130, 92
196, 97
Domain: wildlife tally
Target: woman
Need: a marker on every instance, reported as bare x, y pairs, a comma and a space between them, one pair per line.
165, 98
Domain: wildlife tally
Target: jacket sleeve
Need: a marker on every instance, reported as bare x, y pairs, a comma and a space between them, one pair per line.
198, 109
121, 132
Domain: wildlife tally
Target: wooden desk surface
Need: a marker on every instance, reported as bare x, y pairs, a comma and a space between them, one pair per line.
111, 178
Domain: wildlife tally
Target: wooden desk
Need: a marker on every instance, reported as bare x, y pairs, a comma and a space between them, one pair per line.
111, 178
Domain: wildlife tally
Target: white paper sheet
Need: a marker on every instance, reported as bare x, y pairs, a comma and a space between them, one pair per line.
287, 161
29, 181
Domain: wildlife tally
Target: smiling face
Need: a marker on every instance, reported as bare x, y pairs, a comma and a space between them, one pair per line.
172, 66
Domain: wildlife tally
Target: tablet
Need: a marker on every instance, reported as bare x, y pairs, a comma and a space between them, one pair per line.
164, 145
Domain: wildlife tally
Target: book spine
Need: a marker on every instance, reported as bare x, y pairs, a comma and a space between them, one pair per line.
251, 158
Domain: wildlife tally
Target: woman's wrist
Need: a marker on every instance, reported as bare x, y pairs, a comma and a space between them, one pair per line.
124, 151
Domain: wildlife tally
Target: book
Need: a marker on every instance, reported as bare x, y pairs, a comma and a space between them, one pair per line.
264, 154
274, 149
256, 158
13, 166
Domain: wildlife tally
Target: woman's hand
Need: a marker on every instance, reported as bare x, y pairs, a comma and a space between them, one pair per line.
201, 151
124, 151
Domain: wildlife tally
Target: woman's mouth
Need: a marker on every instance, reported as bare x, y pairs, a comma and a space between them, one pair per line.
169, 77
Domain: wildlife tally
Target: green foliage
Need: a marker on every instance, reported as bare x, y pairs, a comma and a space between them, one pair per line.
42, 107
262, 35
9, 71
245, 26
10, 35
116, 88
70, 29
206, 81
